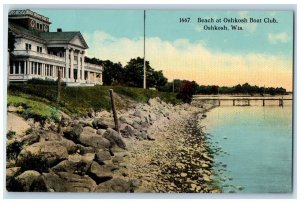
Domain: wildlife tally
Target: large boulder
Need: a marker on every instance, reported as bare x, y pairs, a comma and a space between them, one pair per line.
49, 136
70, 145
102, 156
30, 181
68, 182
100, 173
52, 151
114, 137
103, 123
74, 132
113, 185
89, 138
75, 164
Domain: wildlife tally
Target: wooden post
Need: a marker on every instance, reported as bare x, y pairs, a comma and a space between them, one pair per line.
58, 86
248, 102
111, 91
263, 102
233, 102
219, 102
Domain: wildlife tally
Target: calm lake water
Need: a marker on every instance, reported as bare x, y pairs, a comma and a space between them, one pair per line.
256, 147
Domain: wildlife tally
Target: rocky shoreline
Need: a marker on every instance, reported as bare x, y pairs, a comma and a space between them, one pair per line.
160, 148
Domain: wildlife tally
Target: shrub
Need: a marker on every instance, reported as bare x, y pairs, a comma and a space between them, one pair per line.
10, 134
35, 162
13, 149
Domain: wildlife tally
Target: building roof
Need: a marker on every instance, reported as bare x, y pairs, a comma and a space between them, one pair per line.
47, 37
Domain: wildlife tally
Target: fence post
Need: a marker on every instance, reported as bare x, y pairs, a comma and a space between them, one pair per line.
111, 91
58, 86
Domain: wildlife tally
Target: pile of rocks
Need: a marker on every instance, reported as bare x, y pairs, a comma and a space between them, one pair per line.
81, 154
73, 155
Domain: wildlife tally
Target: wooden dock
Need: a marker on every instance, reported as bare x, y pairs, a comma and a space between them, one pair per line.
235, 99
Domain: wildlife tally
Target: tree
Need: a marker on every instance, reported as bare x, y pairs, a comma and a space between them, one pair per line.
187, 90
134, 74
11, 42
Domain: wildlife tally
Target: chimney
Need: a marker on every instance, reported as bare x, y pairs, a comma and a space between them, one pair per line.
59, 30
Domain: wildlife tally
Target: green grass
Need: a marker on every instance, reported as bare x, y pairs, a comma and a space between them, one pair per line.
78, 100
33, 109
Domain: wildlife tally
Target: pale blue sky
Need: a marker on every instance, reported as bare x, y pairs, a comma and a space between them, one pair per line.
164, 24
261, 54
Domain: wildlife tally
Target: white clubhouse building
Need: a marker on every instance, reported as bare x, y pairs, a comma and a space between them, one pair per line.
39, 53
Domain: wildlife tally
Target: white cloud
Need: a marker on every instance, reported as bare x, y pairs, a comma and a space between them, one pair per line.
194, 61
275, 38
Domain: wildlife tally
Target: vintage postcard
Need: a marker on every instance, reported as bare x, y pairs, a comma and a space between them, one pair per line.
150, 101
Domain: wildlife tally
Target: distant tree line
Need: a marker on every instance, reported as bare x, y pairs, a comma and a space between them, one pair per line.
133, 72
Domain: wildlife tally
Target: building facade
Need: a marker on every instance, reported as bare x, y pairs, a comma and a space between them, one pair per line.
41, 54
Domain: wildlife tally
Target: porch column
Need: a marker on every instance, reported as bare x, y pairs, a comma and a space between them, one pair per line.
25, 67
78, 67
72, 65
43, 69
83, 75
29, 67
67, 62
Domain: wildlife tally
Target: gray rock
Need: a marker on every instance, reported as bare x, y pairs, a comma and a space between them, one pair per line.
53, 151
11, 172
154, 101
150, 137
152, 117
68, 182
127, 130
114, 137
30, 138
113, 185
30, 181
49, 136
100, 173
127, 120
136, 126
78, 166
70, 145
102, 156
103, 123
78, 148
115, 150
100, 131
140, 114
86, 122
91, 113
90, 138
117, 159
74, 132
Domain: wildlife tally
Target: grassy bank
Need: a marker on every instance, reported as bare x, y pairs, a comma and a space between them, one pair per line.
78, 100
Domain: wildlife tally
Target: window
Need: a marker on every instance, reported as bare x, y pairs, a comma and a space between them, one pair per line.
75, 58
38, 26
28, 46
41, 26
39, 49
